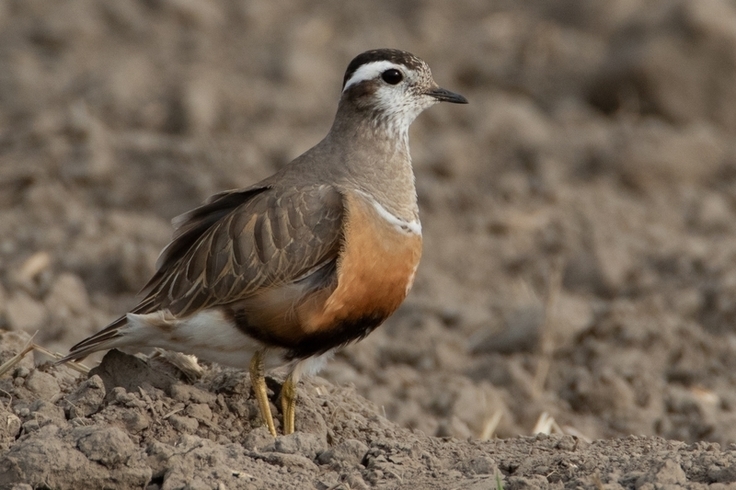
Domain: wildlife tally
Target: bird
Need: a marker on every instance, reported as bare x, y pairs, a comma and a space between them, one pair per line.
310, 259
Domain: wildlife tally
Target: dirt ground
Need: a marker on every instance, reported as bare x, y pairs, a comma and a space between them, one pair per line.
579, 215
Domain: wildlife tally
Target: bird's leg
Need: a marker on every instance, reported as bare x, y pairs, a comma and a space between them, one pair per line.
258, 381
288, 403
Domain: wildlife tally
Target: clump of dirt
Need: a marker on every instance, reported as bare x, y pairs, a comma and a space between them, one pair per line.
578, 215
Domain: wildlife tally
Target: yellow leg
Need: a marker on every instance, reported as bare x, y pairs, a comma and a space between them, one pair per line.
259, 388
288, 403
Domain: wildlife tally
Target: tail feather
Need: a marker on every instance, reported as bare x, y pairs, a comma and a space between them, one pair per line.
100, 341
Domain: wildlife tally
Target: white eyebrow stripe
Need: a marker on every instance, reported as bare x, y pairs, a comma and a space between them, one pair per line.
369, 71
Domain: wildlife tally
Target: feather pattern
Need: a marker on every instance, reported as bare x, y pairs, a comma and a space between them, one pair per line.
239, 243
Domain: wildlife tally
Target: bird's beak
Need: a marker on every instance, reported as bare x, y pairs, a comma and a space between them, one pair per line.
446, 96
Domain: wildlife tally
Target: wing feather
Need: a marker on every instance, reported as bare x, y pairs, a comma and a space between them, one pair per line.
237, 243
190, 226
270, 240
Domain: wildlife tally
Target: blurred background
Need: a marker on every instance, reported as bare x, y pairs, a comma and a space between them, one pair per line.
579, 270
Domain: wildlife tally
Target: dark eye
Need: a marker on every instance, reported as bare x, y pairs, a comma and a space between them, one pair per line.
392, 76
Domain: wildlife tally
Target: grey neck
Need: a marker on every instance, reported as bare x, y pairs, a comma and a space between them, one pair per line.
372, 155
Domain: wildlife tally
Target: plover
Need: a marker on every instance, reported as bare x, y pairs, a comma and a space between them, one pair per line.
308, 260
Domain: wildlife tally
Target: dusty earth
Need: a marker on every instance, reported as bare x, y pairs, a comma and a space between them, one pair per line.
579, 274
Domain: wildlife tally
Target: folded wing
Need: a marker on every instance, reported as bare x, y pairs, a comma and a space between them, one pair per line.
239, 244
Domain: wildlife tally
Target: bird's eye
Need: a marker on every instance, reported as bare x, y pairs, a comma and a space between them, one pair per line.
392, 76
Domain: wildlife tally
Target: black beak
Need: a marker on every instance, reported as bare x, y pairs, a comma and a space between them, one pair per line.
446, 96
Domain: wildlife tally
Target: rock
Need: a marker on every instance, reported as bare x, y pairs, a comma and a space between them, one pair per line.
44, 412
184, 424
200, 412
185, 393
296, 461
31, 426
664, 474
42, 384
41, 459
122, 370
107, 445
481, 465
86, 399
308, 445
10, 425
259, 439
136, 422
22, 486
350, 452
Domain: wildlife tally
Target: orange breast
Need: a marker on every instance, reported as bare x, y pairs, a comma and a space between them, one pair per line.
374, 272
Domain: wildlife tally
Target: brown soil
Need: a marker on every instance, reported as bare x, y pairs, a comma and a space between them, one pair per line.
578, 218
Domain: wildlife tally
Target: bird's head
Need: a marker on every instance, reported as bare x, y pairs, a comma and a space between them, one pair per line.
391, 87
